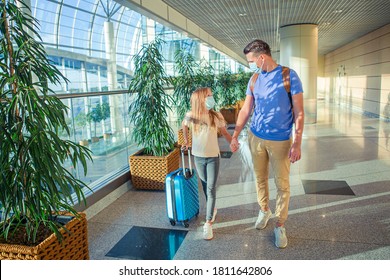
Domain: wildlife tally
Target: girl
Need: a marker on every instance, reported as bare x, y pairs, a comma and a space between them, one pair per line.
204, 123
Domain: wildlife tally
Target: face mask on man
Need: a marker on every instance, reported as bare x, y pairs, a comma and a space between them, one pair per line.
210, 102
253, 65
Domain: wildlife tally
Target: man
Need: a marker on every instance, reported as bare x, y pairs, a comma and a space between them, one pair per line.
271, 136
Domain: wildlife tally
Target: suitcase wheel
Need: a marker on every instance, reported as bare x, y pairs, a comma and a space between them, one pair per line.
173, 222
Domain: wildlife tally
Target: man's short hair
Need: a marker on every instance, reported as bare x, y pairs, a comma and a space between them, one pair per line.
257, 47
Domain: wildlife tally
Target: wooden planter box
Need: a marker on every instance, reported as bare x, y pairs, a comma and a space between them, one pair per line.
73, 247
240, 103
149, 172
229, 114
84, 143
180, 138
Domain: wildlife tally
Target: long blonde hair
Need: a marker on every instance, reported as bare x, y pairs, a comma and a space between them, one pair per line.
198, 108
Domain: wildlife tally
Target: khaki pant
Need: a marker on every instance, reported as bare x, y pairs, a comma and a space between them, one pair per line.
263, 152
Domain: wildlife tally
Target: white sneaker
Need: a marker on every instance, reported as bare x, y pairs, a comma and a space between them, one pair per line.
214, 214
280, 237
263, 219
207, 231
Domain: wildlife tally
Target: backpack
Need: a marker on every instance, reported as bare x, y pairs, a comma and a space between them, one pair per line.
286, 82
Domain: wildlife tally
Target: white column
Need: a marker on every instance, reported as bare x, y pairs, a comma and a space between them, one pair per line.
114, 100
299, 51
110, 54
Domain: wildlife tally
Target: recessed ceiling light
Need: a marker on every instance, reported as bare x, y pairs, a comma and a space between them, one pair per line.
249, 29
338, 11
242, 14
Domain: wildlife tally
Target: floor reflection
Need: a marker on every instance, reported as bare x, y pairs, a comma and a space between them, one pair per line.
145, 243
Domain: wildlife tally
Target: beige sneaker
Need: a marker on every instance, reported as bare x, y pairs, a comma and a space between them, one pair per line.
263, 219
280, 237
207, 231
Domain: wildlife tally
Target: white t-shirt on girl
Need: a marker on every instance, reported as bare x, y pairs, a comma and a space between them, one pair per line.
205, 141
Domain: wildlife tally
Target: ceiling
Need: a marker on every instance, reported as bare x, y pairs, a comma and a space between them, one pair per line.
237, 22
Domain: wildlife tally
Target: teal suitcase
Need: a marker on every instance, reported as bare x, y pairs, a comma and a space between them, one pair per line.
182, 195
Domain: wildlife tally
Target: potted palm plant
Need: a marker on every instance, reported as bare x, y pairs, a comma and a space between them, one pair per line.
148, 114
205, 76
37, 192
242, 79
224, 94
95, 116
105, 111
81, 122
184, 85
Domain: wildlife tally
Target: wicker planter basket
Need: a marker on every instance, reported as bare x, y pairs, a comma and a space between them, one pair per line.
180, 138
240, 103
73, 247
229, 114
149, 172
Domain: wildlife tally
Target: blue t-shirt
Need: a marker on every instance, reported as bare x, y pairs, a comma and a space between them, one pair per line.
272, 117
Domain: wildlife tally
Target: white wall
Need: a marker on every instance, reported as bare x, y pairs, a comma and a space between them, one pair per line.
357, 75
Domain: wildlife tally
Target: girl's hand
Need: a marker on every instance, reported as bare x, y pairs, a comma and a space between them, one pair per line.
234, 145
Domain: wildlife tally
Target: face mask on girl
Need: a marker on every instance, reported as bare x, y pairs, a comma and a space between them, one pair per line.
210, 102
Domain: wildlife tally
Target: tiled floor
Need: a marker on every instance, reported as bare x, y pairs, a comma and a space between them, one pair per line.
339, 207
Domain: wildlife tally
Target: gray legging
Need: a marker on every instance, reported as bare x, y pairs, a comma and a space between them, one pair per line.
208, 169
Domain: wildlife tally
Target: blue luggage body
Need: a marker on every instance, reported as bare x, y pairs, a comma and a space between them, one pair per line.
181, 189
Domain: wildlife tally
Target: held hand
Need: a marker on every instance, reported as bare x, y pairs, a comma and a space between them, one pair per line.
295, 153
234, 145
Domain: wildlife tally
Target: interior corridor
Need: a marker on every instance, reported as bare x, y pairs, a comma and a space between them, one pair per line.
339, 207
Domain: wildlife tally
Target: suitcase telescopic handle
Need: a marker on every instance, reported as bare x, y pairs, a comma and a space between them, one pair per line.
189, 160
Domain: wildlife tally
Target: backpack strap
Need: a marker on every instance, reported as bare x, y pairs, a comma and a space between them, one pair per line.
286, 82
253, 81
286, 78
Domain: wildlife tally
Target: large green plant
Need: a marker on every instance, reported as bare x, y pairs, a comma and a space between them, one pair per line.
242, 79
34, 184
149, 109
106, 113
95, 116
99, 113
184, 83
205, 76
225, 88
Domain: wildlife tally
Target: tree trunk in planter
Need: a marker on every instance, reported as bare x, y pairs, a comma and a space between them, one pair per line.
229, 114
149, 172
74, 245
